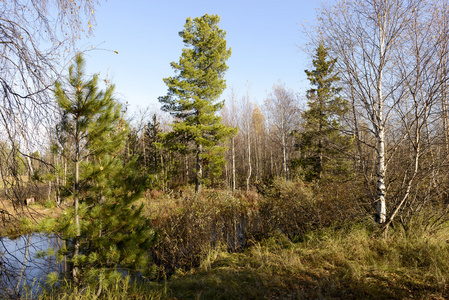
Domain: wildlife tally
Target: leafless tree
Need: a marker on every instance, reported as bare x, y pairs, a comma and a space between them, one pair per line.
36, 39
422, 65
229, 115
390, 61
282, 109
246, 129
258, 123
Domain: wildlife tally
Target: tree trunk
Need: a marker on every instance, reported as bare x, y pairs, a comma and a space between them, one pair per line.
233, 164
186, 170
249, 161
49, 191
163, 171
144, 149
444, 98
381, 210
65, 171
320, 146
381, 205
75, 271
284, 155
199, 169
256, 152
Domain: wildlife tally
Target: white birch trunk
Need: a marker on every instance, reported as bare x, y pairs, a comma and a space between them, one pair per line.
233, 164
381, 210
249, 160
284, 156
199, 169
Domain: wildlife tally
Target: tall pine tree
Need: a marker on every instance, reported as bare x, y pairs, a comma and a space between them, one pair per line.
104, 229
193, 93
321, 139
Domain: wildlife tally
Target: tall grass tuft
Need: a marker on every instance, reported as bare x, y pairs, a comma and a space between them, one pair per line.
123, 288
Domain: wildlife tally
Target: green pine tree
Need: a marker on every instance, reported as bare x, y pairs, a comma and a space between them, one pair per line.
193, 93
322, 141
104, 228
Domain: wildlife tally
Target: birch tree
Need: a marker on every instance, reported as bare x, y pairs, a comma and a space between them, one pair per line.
421, 66
36, 38
282, 111
230, 116
246, 128
259, 129
385, 54
364, 36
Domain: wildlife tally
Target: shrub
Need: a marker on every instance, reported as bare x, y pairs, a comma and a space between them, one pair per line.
190, 225
288, 207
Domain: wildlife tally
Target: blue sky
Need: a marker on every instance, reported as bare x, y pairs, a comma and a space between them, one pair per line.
264, 36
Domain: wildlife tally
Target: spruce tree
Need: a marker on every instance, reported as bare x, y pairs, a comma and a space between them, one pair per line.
194, 91
321, 139
152, 131
104, 229
152, 142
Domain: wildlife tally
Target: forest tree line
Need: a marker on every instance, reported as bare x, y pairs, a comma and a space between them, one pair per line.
375, 114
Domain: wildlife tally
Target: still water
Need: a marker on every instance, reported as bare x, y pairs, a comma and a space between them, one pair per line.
20, 265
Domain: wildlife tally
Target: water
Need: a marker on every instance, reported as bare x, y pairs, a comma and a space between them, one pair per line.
20, 267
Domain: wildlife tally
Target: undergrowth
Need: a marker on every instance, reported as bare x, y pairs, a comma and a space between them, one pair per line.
188, 224
352, 263
286, 242
345, 263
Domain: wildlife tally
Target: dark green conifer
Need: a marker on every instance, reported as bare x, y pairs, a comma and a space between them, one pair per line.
152, 131
321, 139
193, 94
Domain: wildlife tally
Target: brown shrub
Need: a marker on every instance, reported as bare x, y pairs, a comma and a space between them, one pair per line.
190, 225
195, 224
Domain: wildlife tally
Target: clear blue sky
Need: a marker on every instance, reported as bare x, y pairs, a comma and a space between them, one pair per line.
264, 36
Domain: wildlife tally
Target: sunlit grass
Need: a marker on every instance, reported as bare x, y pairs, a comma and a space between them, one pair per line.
120, 290
346, 264
9, 179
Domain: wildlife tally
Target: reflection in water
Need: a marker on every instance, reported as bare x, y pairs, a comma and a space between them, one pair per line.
19, 265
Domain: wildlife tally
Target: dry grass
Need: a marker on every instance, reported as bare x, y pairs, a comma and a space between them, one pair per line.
334, 264
352, 263
16, 219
